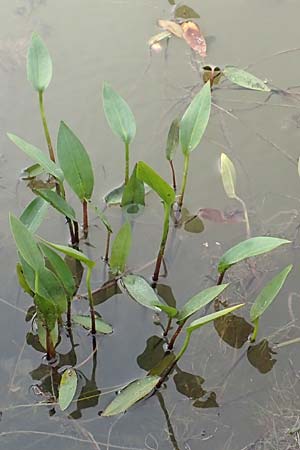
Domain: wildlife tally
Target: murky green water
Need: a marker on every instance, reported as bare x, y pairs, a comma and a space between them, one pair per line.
220, 397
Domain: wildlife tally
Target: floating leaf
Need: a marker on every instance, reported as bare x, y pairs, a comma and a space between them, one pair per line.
218, 216
134, 192
131, 394
193, 224
67, 388
244, 79
193, 37
211, 317
85, 321
171, 26
141, 291
70, 252
228, 175
118, 114
260, 356
34, 214
200, 300
194, 122
268, 294
173, 139
37, 155
75, 163
48, 286
57, 202
39, 64
25, 243
233, 330
248, 248
185, 12
114, 197
158, 184
120, 249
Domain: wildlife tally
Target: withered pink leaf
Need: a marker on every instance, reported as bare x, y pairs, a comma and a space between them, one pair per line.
194, 38
218, 216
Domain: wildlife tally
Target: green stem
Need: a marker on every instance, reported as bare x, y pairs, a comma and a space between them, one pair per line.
126, 162
245, 215
91, 301
184, 180
255, 331
45, 125
163, 242
184, 346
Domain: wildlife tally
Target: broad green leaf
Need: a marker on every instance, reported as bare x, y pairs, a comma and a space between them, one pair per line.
244, 79
22, 280
268, 294
67, 388
37, 155
48, 311
194, 121
103, 219
28, 272
211, 317
75, 163
185, 12
60, 268
34, 214
39, 64
118, 114
70, 252
114, 197
141, 291
48, 286
199, 301
54, 333
250, 247
85, 321
25, 243
120, 249
173, 140
134, 192
228, 176
156, 182
131, 394
57, 202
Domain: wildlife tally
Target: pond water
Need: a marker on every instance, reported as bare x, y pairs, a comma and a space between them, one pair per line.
219, 397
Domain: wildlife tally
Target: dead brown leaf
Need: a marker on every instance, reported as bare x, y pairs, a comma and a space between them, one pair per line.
171, 26
194, 38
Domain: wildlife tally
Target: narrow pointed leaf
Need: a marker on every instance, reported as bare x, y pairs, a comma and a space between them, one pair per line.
131, 394
118, 114
67, 388
211, 317
194, 122
22, 280
268, 294
173, 140
244, 79
31, 171
199, 301
39, 64
48, 286
248, 248
171, 26
120, 249
134, 192
85, 321
25, 243
228, 176
37, 155
75, 163
47, 310
70, 252
28, 272
57, 202
103, 219
156, 182
34, 214
54, 333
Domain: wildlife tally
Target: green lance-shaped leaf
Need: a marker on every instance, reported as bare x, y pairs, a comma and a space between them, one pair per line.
248, 248
244, 79
75, 163
131, 394
172, 140
25, 243
156, 182
268, 294
228, 176
120, 249
42, 333
22, 280
85, 322
37, 155
211, 317
200, 300
57, 202
60, 268
47, 310
70, 252
39, 64
194, 121
118, 114
103, 219
134, 193
67, 388
141, 291
28, 272
34, 214
48, 286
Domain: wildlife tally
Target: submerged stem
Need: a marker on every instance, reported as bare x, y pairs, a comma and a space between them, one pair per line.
85, 219
69, 314
245, 216
91, 300
255, 331
168, 327
220, 279
126, 162
163, 242
45, 125
173, 175
49, 345
184, 180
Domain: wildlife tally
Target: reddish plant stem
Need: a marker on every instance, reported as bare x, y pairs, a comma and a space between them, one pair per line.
85, 219
173, 175
106, 257
69, 314
220, 279
175, 335
162, 244
49, 345
168, 327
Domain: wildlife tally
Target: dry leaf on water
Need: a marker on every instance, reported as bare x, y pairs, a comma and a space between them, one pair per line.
171, 26
194, 37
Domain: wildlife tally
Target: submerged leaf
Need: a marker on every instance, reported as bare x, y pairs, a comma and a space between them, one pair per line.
131, 394
157, 38
218, 216
34, 214
185, 12
39, 64
67, 388
244, 79
248, 248
194, 38
85, 321
171, 26
120, 249
228, 176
